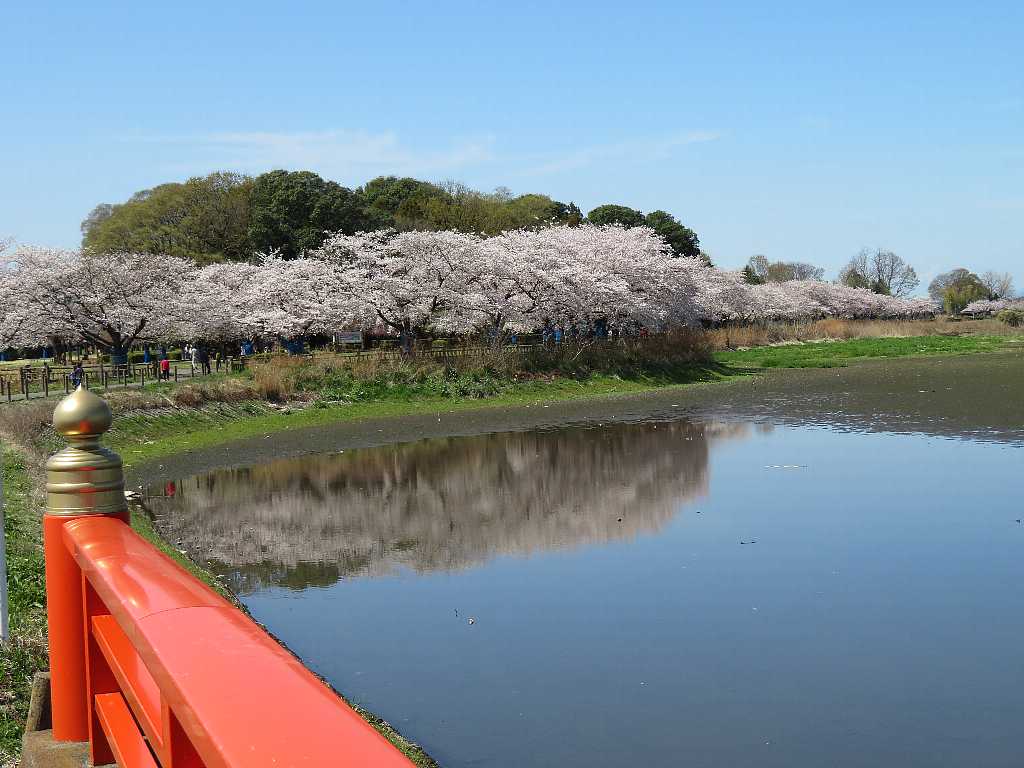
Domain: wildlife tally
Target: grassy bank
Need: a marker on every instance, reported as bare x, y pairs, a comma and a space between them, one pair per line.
830, 354
290, 394
333, 394
143, 435
26, 652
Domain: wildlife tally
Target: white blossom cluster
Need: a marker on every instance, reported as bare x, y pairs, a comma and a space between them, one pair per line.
401, 283
992, 306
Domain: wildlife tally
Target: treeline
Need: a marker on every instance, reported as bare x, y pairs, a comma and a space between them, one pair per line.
231, 217
883, 272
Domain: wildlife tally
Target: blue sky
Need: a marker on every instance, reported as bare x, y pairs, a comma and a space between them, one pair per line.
798, 130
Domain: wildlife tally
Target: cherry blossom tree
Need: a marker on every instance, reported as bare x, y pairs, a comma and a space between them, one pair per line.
16, 326
992, 306
219, 304
584, 278
576, 276
295, 297
408, 281
111, 300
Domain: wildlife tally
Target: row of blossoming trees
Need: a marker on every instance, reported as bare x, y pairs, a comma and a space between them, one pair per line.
403, 283
993, 306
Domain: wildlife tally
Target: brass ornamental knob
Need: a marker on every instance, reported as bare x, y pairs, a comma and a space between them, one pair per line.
84, 478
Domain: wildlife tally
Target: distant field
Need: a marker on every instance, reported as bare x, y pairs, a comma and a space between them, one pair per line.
830, 354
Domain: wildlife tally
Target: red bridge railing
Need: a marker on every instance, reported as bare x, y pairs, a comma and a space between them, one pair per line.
152, 667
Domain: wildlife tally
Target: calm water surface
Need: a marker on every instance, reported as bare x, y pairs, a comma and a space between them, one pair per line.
679, 592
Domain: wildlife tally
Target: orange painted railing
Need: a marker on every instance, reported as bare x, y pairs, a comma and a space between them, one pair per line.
151, 666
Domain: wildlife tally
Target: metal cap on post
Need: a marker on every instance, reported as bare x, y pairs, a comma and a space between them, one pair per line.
82, 480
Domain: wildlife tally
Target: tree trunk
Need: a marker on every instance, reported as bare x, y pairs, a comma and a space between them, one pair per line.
118, 354
405, 339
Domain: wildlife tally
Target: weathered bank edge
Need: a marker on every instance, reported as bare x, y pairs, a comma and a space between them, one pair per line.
886, 392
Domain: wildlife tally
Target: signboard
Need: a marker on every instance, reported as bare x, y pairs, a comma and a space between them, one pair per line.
348, 337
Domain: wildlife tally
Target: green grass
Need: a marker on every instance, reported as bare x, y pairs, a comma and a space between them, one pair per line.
832, 354
26, 653
140, 438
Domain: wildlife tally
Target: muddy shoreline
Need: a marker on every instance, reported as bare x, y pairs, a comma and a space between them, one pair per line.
971, 396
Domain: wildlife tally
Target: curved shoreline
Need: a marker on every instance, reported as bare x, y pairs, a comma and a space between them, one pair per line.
976, 396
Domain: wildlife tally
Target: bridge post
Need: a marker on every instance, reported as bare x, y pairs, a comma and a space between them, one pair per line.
82, 480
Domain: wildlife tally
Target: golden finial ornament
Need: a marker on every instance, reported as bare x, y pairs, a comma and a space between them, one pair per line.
85, 478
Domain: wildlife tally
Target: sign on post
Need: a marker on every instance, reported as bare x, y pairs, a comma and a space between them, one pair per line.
349, 337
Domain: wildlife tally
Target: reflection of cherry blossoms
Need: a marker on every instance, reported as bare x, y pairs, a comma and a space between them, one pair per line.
442, 504
446, 282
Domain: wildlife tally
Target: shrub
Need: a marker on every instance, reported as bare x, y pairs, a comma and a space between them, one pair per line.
274, 380
1012, 317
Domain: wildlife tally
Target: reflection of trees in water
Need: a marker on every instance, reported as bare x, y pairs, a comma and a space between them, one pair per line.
439, 504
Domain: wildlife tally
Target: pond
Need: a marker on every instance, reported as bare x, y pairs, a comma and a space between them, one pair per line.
719, 591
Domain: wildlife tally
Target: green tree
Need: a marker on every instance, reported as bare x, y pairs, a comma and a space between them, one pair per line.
616, 214
957, 288
205, 219
533, 210
292, 212
955, 278
959, 295
452, 205
683, 240
750, 277
853, 276
218, 216
398, 201
96, 217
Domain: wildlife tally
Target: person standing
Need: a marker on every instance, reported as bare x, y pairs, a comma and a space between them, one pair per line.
194, 358
165, 368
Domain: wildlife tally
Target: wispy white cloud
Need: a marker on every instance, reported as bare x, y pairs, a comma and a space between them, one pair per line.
643, 150
1004, 204
339, 154
355, 156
